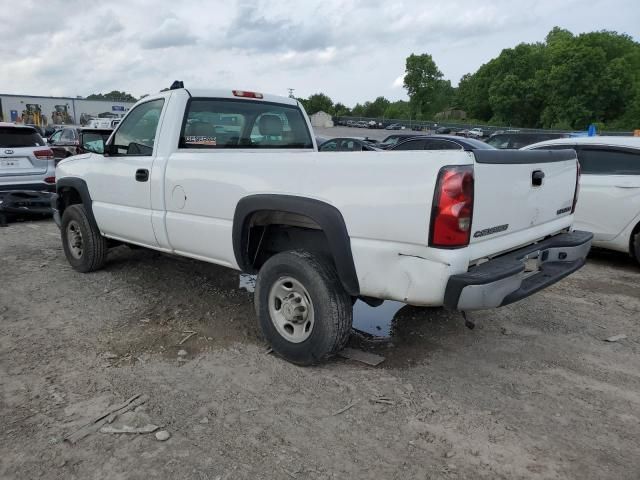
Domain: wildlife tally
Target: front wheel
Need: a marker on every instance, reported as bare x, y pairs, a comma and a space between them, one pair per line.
303, 310
84, 247
635, 245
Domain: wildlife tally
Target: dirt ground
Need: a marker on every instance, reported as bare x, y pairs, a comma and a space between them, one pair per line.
532, 392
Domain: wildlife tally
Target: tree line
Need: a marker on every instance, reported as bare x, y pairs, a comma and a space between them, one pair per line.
566, 82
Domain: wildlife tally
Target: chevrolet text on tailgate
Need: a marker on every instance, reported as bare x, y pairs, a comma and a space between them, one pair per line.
234, 178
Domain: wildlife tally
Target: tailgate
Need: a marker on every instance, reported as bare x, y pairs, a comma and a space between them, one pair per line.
20, 161
518, 191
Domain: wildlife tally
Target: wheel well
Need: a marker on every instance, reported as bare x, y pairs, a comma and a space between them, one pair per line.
270, 232
290, 222
68, 196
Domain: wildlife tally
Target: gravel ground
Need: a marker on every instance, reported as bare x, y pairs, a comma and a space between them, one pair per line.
532, 392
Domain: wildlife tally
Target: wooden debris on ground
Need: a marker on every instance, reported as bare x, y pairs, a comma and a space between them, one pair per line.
107, 417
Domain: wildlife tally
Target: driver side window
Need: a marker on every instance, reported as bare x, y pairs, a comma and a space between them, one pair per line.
137, 132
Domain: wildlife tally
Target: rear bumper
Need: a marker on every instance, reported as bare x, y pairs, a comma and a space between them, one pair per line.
35, 187
518, 274
20, 202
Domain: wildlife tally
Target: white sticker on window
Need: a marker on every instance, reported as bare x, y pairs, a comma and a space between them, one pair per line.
200, 140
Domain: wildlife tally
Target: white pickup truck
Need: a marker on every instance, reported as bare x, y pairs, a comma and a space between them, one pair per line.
234, 178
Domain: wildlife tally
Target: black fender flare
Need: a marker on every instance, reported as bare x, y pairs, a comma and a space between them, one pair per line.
325, 215
80, 186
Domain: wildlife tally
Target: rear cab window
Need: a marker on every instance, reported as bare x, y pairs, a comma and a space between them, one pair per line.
213, 123
19, 137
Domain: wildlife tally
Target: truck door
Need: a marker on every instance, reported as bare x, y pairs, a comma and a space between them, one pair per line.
121, 190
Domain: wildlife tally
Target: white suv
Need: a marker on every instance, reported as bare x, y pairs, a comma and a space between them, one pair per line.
609, 202
26, 163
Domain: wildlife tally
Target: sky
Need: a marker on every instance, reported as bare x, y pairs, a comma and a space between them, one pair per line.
351, 50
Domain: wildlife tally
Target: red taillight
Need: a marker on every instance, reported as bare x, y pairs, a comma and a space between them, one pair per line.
242, 93
452, 209
50, 180
43, 154
576, 192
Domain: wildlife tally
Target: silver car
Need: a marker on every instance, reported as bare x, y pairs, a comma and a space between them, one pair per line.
26, 163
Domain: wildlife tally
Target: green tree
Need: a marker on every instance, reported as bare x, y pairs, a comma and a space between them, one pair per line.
358, 110
114, 96
397, 110
376, 108
340, 110
567, 81
428, 92
318, 102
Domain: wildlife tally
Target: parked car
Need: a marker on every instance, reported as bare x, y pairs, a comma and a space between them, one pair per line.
26, 163
476, 133
347, 145
394, 126
609, 202
362, 124
441, 142
374, 124
448, 228
391, 140
74, 140
350, 123
516, 140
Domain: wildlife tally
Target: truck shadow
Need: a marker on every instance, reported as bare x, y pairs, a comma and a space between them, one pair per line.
610, 258
183, 295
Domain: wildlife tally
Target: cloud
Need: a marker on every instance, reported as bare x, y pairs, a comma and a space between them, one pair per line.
171, 33
252, 31
351, 50
398, 82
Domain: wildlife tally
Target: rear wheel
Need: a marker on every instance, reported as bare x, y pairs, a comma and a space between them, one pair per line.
635, 246
303, 310
84, 247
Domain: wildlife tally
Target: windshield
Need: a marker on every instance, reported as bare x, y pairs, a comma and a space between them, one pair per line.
17, 137
391, 140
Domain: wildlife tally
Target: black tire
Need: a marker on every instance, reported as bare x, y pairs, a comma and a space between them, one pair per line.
94, 246
635, 246
332, 309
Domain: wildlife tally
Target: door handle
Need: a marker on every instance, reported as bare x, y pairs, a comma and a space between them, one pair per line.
536, 178
142, 175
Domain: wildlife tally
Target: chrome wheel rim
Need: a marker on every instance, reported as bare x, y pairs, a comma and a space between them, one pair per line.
291, 309
74, 239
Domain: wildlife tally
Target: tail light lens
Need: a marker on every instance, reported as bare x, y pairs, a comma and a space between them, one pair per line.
50, 180
576, 192
46, 154
452, 209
